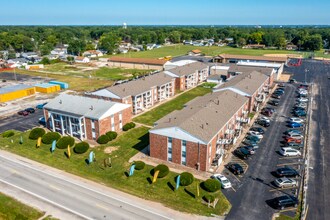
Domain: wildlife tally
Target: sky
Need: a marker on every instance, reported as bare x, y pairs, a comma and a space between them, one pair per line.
165, 12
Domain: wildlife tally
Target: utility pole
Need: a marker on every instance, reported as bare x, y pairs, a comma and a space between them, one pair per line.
15, 74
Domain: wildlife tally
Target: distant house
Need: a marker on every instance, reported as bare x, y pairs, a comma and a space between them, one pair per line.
254, 46
29, 55
59, 51
291, 47
187, 42
92, 53
82, 59
122, 50
18, 62
151, 46
195, 53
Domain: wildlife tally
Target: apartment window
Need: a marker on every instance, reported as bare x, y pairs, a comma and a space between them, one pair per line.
93, 124
183, 152
169, 149
93, 135
112, 123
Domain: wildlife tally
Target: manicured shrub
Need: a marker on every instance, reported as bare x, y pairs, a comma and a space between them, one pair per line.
8, 134
212, 185
128, 126
209, 198
64, 142
186, 179
139, 165
112, 135
103, 139
163, 170
81, 148
36, 133
49, 137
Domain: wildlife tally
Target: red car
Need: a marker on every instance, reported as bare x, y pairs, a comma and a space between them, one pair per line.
292, 140
23, 112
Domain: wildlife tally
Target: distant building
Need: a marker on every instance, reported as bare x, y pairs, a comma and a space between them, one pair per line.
82, 59
92, 53
124, 25
85, 118
254, 46
195, 53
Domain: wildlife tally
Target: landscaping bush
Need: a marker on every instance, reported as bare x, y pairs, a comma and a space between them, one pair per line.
49, 137
139, 165
112, 135
211, 185
128, 126
81, 148
209, 198
186, 179
64, 142
103, 139
8, 134
36, 133
163, 170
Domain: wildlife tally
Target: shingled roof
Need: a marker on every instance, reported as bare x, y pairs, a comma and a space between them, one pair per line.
188, 69
247, 57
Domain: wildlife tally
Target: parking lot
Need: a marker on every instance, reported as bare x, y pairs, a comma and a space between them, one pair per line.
253, 192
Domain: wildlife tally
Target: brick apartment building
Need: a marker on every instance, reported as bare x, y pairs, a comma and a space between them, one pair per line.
84, 117
189, 75
142, 93
197, 135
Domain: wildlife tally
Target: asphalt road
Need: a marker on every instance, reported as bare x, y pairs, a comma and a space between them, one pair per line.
20, 122
71, 194
318, 191
254, 191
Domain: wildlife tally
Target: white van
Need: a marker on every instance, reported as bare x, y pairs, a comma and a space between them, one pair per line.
289, 152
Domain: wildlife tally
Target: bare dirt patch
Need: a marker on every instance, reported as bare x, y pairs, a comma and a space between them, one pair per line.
109, 150
284, 55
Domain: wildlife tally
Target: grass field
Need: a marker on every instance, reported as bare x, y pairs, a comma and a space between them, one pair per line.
179, 50
11, 209
126, 145
150, 117
75, 83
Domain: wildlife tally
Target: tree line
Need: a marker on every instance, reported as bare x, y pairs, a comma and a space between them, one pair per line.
81, 38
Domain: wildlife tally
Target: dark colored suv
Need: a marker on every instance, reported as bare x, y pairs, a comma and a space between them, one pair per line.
286, 201
257, 129
30, 110
235, 168
242, 153
287, 172
263, 123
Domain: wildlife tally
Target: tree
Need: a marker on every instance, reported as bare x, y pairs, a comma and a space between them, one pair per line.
45, 49
313, 42
256, 37
241, 42
175, 37
52, 39
109, 42
76, 47
45, 61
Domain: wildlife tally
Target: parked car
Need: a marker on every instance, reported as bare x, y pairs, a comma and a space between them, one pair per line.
289, 152
292, 140
294, 136
302, 105
263, 123
30, 110
266, 112
263, 118
293, 131
42, 121
252, 138
273, 110
279, 91
257, 129
276, 96
242, 153
235, 168
297, 146
287, 172
286, 201
300, 113
292, 81
298, 120
250, 149
255, 133
23, 112
294, 125
298, 108
225, 183
285, 182
41, 106
250, 142
274, 102
302, 100
281, 85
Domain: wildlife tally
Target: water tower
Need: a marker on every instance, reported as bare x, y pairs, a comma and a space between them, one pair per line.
124, 25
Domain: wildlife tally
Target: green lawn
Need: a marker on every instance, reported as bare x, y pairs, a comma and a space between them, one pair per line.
118, 73
11, 209
127, 145
150, 117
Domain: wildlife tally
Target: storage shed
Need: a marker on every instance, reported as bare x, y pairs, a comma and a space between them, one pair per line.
63, 85
47, 88
15, 92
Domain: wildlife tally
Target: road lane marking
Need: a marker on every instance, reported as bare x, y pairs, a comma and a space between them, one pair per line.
101, 206
14, 171
85, 187
45, 199
54, 187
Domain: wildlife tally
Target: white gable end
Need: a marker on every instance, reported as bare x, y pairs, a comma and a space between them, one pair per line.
105, 93
177, 133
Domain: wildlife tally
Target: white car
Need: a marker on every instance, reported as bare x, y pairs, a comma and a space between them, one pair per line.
289, 152
302, 105
302, 100
225, 183
297, 120
264, 118
285, 182
256, 134
295, 136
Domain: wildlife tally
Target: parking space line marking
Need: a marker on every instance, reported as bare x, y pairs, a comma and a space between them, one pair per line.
294, 163
233, 189
287, 210
287, 158
281, 189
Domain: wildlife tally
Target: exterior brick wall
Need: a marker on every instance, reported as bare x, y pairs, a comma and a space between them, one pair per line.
158, 146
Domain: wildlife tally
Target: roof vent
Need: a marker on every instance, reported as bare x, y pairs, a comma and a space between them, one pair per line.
61, 101
91, 108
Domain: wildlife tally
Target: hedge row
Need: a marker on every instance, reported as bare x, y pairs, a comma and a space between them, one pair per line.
211, 185
139, 165
128, 126
36, 133
112, 135
103, 139
8, 134
81, 148
49, 137
64, 142
163, 170
186, 179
